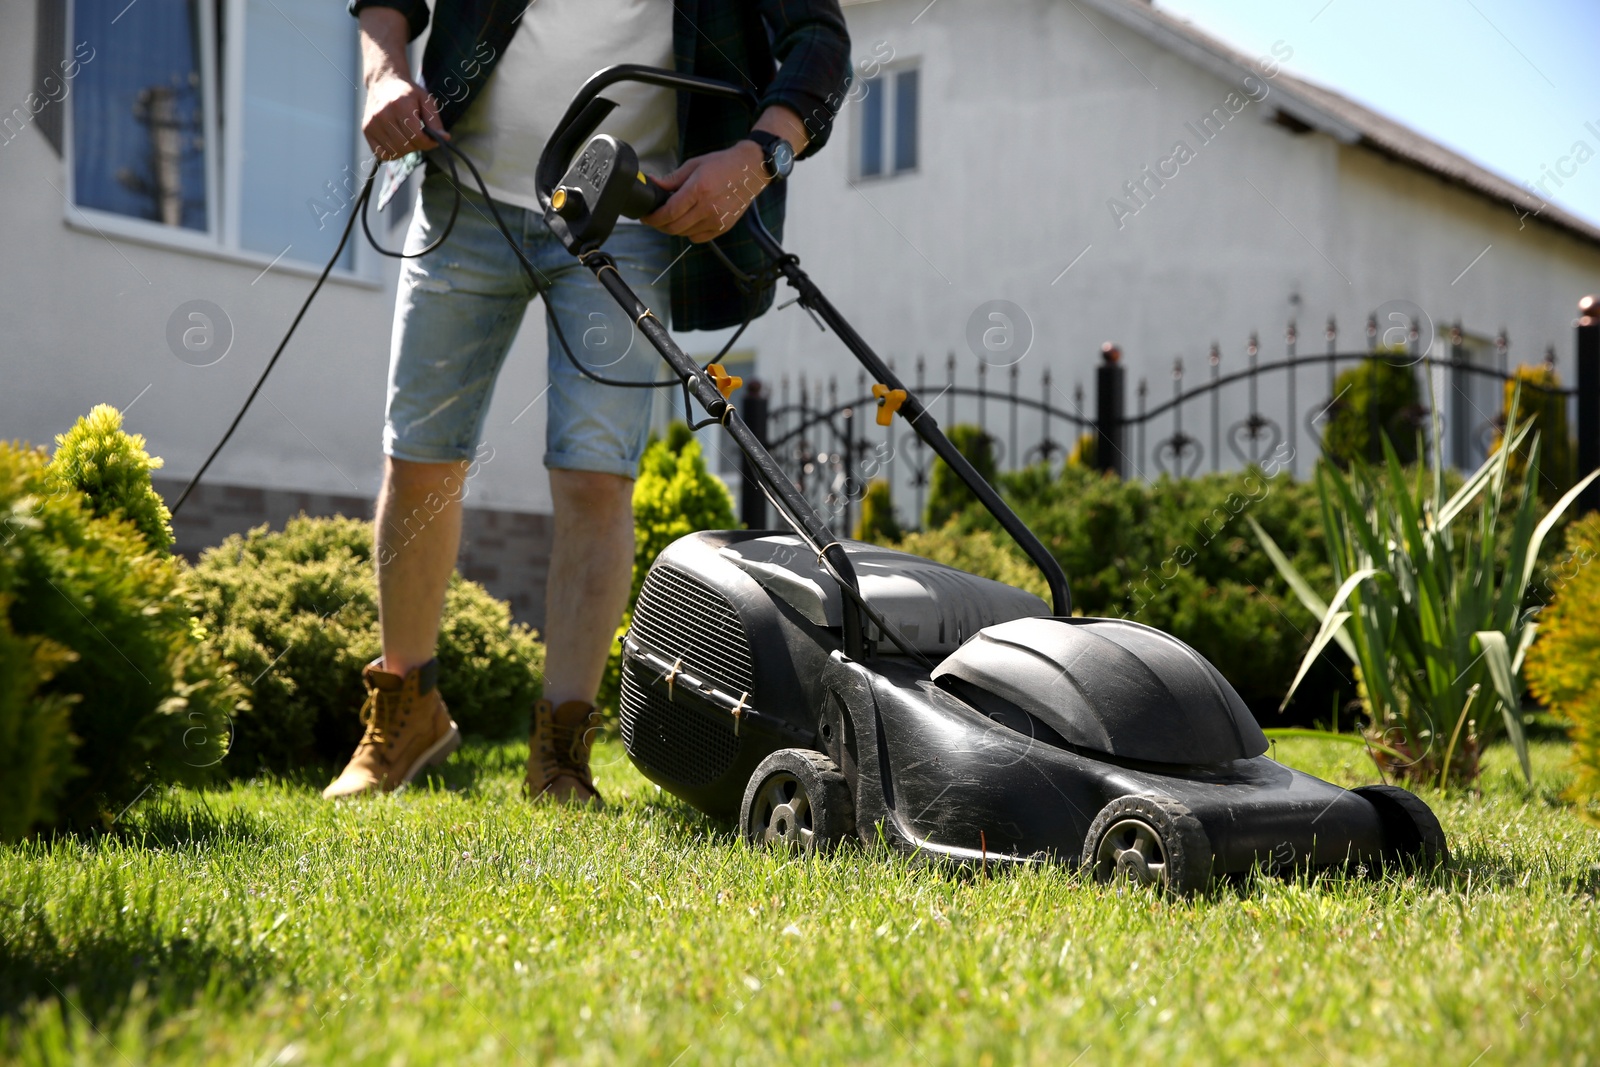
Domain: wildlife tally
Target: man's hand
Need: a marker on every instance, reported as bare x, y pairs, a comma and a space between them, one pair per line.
710, 193
397, 109
396, 112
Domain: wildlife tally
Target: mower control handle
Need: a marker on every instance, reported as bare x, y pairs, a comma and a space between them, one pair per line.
588, 109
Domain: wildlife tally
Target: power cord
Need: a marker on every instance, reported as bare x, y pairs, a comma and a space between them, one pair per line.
452, 153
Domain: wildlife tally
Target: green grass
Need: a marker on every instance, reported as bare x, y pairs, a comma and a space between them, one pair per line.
455, 923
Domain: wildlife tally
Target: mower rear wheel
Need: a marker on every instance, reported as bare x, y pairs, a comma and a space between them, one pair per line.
797, 800
1412, 836
1149, 840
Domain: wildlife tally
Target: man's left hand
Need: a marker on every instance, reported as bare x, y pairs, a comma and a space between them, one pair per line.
710, 193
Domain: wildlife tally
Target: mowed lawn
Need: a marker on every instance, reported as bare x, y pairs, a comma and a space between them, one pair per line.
454, 923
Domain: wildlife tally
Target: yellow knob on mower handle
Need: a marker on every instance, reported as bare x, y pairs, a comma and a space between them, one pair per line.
889, 401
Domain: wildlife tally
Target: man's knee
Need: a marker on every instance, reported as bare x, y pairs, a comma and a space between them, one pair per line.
408, 479
591, 492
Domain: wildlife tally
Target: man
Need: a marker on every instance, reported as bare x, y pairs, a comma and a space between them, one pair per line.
497, 76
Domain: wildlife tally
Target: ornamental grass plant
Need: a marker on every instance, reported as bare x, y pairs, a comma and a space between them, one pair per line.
1429, 602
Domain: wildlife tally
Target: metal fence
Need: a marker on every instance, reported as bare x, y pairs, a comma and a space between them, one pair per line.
832, 448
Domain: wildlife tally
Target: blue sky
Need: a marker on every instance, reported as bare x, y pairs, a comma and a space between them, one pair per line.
1509, 83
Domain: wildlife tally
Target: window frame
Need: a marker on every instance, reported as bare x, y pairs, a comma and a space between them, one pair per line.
222, 88
888, 79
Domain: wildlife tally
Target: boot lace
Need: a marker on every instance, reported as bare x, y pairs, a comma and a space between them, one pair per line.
566, 750
377, 715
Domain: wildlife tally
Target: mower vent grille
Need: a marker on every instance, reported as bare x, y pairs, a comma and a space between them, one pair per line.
679, 743
679, 617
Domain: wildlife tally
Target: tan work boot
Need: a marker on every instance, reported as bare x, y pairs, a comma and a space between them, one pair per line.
558, 753
408, 728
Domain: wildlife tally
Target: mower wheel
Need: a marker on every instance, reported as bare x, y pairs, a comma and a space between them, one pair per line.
1149, 840
1412, 836
797, 800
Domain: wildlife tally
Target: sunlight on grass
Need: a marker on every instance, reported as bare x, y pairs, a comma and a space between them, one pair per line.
456, 923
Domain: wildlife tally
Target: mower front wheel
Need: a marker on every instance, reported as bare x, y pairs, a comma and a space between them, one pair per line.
1149, 840
797, 800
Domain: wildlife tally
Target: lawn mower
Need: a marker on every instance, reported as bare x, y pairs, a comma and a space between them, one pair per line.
818, 689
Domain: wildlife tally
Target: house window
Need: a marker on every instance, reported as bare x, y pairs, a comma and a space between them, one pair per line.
144, 113
218, 124
889, 143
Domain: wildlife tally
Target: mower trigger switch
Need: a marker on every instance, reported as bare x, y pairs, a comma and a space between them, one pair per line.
726, 383
889, 401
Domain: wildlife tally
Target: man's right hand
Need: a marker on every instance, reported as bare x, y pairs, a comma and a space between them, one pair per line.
396, 112
397, 109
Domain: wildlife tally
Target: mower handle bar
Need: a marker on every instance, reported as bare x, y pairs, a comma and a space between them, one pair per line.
589, 109
583, 116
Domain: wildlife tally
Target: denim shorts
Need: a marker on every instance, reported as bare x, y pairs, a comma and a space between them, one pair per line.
458, 310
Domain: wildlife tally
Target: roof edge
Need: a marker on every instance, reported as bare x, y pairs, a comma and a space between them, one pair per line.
1345, 120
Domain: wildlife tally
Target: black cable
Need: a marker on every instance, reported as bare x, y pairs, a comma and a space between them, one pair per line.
366, 194
360, 210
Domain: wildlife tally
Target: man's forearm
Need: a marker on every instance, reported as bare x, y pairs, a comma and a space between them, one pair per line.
396, 111
383, 45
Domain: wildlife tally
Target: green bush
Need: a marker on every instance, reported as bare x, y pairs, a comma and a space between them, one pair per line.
1564, 663
948, 495
674, 495
296, 614
1547, 411
877, 522
1175, 554
97, 623
35, 730
112, 470
1374, 398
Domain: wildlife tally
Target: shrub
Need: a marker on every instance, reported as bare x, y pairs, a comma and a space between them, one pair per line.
1174, 554
1547, 411
674, 495
1564, 663
107, 631
1085, 451
35, 730
877, 522
981, 552
1432, 616
296, 613
948, 495
1374, 398
112, 470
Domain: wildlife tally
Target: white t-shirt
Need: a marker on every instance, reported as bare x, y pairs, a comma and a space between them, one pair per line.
556, 47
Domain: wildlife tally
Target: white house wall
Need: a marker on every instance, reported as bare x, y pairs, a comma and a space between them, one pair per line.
1034, 113
84, 320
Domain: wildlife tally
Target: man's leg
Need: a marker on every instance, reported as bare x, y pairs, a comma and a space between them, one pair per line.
591, 569
595, 435
456, 315
418, 534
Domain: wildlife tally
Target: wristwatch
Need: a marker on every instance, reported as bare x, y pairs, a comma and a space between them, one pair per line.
777, 154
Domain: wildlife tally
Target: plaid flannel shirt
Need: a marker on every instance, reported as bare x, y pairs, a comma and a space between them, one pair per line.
738, 41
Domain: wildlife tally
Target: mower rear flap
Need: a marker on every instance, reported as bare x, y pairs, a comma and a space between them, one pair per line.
934, 607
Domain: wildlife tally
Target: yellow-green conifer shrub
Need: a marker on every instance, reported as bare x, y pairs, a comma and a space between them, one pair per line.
1564, 663
674, 495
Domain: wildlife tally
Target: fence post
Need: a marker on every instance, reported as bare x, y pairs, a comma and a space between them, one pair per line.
1109, 419
1588, 349
752, 501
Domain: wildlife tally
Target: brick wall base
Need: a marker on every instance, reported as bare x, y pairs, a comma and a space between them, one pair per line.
507, 552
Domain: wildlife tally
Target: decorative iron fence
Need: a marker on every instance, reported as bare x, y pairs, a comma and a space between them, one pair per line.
832, 448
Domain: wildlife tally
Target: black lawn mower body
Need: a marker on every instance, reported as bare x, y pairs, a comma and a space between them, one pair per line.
817, 689
1027, 729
